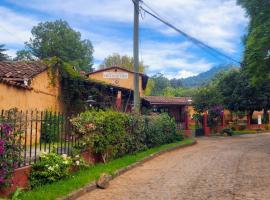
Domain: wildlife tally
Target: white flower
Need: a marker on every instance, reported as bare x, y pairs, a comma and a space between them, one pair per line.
77, 162
77, 156
65, 162
51, 168
64, 156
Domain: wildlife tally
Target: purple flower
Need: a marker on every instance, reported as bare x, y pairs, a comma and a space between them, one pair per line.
2, 180
2, 147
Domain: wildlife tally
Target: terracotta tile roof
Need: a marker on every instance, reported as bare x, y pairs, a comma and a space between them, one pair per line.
113, 67
16, 73
161, 100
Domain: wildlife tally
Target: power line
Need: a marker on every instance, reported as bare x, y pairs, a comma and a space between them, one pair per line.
197, 42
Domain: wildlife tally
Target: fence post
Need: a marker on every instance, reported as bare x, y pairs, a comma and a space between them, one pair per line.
205, 127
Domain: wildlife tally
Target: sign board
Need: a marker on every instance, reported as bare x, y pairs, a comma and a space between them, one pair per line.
115, 75
259, 119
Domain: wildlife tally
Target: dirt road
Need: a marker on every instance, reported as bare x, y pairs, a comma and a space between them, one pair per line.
216, 168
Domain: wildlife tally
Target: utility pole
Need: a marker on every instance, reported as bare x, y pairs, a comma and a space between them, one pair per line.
136, 95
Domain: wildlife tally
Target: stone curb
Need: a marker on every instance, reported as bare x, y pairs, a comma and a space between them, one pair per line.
92, 186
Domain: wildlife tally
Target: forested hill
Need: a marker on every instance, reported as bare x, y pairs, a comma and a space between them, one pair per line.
204, 77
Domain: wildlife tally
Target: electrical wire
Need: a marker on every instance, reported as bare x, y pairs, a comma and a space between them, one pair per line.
194, 40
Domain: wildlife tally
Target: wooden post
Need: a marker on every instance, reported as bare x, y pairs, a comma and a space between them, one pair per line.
222, 119
119, 100
186, 118
205, 127
187, 131
248, 121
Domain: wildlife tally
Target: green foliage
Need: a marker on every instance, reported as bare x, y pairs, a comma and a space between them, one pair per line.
160, 129
257, 41
24, 55
58, 39
227, 131
125, 61
179, 92
160, 83
77, 88
10, 149
206, 97
51, 167
84, 177
113, 134
16, 194
51, 127
3, 56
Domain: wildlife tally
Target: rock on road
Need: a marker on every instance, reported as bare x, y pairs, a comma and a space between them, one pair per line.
216, 168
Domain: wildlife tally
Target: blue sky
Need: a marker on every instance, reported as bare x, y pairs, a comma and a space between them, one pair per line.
109, 25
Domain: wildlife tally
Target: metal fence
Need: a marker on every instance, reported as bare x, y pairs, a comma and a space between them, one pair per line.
39, 132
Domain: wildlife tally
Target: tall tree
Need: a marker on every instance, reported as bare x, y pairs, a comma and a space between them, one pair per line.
3, 56
23, 55
257, 40
58, 39
160, 84
121, 61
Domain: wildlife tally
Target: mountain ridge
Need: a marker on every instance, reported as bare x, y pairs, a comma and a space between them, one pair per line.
204, 77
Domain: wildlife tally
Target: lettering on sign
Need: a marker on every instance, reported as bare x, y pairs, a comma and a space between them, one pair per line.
119, 75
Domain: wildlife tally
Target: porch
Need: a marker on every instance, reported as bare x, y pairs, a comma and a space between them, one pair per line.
176, 107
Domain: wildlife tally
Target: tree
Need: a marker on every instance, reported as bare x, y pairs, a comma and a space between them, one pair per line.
160, 84
122, 61
58, 39
23, 55
257, 40
176, 83
3, 56
206, 97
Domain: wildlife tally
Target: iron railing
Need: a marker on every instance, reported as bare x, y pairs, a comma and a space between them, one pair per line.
39, 132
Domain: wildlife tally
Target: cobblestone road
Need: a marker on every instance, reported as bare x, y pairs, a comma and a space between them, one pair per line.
214, 169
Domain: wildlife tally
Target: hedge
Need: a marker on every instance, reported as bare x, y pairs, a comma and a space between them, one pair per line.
113, 134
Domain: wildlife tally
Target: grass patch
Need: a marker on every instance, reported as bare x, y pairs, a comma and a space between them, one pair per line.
243, 132
82, 178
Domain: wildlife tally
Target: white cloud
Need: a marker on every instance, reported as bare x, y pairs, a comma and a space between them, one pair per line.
180, 74
11, 52
159, 56
217, 22
15, 28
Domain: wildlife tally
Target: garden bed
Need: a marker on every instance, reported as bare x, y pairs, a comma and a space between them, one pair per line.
84, 177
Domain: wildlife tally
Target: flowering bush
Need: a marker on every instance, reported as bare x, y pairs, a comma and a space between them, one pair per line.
214, 115
9, 154
53, 167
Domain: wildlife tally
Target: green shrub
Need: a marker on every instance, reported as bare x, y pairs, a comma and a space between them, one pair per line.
51, 127
51, 167
242, 127
227, 131
113, 134
160, 129
103, 131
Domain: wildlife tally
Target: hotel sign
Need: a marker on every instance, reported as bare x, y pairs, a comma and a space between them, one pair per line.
115, 75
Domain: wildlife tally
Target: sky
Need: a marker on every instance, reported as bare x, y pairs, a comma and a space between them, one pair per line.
109, 26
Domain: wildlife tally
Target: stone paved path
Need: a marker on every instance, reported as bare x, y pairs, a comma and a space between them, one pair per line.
214, 169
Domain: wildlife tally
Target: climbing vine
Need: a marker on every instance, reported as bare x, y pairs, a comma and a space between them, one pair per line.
76, 88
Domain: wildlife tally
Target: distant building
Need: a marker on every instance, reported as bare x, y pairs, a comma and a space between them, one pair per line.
119, 77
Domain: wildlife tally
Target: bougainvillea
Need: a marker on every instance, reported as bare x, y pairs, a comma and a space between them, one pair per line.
9, 154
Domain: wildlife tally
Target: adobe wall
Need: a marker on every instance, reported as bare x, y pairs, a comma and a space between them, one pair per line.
43, 96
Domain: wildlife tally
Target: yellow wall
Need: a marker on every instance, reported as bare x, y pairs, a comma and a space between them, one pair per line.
125, 83
43, 96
